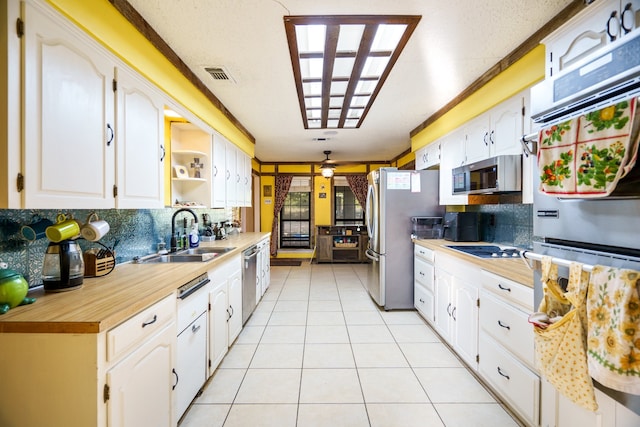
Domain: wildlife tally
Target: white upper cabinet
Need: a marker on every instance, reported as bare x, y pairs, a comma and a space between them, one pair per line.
452, 148
428, 156
231, 174
190, 165
600, 23
496, 132
218, 173
87, 145
139, 148
69, 126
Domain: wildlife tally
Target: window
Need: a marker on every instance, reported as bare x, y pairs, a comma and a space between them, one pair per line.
347, 208
295, 217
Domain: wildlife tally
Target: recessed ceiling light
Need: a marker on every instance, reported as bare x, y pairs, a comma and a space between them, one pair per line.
341, 62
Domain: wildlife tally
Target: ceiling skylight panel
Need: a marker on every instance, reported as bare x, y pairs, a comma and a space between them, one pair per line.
310, 38
374, 66
332, 73
311, 68
366, 86
336, 101
338, 88
387, 37
350, 37
313, 88
342, 67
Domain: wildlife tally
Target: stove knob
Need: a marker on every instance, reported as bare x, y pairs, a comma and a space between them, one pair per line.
505, 255
515, 254
494, 255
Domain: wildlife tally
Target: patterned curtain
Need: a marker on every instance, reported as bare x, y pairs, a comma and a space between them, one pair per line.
283, 182
359, 186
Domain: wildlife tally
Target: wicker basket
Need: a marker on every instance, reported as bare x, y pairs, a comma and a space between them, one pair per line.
94, 266
345, 245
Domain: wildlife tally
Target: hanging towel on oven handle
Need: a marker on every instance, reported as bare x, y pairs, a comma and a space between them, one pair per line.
613, 307
561, 347
586, 156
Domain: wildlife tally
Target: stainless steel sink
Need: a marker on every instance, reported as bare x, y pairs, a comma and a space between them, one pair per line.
208, 250
190, 255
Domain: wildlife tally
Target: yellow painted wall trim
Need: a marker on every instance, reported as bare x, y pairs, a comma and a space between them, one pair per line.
522, 74
104, 23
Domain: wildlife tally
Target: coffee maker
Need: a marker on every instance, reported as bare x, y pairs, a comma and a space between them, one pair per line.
63, 267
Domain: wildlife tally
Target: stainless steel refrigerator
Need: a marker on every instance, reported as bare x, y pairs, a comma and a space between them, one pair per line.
393, 197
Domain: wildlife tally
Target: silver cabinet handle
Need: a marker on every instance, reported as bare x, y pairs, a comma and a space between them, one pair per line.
195, 328
504, 288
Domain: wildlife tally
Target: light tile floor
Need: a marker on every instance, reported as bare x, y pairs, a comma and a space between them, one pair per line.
318, 352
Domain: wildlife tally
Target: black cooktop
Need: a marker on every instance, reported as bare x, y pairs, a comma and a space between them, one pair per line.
486, 251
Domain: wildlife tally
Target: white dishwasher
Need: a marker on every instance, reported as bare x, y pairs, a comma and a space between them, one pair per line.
191, 352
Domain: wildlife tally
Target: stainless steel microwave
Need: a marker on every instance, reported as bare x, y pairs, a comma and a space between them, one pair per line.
500, 174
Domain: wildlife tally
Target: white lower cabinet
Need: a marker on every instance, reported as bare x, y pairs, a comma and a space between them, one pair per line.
225, 309
140, 386
506, 345
456, 300
513, 381
423, 282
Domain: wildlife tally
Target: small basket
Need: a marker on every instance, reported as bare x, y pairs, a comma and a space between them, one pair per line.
96, 267
345, 245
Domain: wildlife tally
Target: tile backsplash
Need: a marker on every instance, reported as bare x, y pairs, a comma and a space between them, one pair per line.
508, 224
137, 232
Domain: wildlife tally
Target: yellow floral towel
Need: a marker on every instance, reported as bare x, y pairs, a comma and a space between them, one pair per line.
561, 347
586, 156
613, 307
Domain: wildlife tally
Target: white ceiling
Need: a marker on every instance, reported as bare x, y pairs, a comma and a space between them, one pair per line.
454, 43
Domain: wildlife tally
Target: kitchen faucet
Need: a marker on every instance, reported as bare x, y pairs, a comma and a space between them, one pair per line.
174, 240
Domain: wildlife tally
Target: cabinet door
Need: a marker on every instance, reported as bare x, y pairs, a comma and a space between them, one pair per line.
68, 117
465, 322
583, 34
235, 305
506, 127
324, 248
140, 386
248, 184
421, 158
139, 144
191, 363
240, 177
443, 303
452, 147
477, 139
266, 266
231, 178
218, 327
218, 172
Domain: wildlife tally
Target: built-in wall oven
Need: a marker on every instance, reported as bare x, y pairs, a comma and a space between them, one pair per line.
592, 231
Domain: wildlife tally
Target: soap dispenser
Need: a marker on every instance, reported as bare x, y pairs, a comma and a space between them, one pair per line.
194, 238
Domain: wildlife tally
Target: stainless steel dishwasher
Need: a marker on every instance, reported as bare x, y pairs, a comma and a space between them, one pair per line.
249, 278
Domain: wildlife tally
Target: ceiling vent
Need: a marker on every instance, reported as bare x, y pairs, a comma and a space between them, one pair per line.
220, 74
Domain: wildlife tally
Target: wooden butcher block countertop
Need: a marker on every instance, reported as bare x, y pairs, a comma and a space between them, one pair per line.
513, 269
104, 302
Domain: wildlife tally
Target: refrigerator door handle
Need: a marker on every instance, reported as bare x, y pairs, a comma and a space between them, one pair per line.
371, 255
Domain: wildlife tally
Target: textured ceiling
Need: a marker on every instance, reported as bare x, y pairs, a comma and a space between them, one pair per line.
453, 45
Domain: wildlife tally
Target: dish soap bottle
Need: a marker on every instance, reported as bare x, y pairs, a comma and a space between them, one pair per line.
194, 238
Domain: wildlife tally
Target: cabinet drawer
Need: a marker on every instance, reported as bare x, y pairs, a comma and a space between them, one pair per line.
508, 289
134, 331
513, 381
423, 301
508, 325
422, 252
423, 273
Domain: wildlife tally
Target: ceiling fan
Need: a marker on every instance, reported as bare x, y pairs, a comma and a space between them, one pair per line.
327, 168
